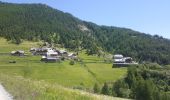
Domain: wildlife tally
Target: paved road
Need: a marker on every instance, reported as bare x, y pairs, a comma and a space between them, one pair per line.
4, 95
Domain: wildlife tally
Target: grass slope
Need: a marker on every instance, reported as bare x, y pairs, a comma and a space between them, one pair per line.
82, 75
26, 89
93, 70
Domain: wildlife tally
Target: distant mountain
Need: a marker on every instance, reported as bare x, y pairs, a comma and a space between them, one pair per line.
40, 22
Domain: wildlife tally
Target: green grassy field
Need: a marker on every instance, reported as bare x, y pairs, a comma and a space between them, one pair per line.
27, 89
93, 70
83, 74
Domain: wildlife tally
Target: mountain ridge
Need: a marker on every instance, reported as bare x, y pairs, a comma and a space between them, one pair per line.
40, 22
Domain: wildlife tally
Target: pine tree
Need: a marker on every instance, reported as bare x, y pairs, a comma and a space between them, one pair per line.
145, 90
105, 89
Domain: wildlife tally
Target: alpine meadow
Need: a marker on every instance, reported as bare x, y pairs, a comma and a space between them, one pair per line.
48, 54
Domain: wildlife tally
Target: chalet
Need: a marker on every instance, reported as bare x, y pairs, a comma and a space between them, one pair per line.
63, 53
72, 56
51, 53
128, 59
50, 59
50, 56
119, 60
33, 49
17, 53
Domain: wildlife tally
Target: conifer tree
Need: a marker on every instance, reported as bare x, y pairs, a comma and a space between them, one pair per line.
105, 89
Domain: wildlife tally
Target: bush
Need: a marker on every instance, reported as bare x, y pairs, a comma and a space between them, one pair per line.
121, 89
153, 66
96, 88
105, 89
145, 90
72, 62
62, 58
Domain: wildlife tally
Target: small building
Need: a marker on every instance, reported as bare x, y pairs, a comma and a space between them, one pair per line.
33, 49
72, 56
118, 56
50, 59
63, 53
119, 60
17, 53
128, 59
51, 53
50, 56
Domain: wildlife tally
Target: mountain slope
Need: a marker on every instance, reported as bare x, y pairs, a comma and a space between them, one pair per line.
40, 22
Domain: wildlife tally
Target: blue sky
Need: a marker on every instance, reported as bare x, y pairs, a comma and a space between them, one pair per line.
148, 16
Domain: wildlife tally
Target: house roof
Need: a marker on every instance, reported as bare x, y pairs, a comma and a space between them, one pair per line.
62, 51
18, 51
118, 56
33, 48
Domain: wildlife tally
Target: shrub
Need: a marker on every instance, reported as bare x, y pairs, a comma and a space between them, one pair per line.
62, 58
72, 62
96, 88
105, 89
121, 89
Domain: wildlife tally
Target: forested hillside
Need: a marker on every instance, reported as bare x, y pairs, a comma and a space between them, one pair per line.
143, 82
40, 22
